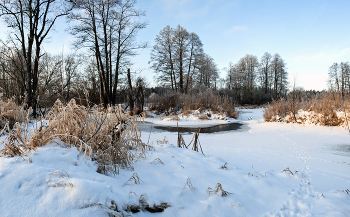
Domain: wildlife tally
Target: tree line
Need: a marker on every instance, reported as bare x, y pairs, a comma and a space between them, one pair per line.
339, 77
105, 32
255, 82
180, 63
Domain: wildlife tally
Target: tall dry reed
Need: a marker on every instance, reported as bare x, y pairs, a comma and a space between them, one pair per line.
326, 109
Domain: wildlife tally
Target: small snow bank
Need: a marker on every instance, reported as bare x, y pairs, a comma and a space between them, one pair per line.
53, 181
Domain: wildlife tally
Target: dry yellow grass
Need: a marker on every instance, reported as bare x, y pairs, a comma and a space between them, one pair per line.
10, 113
189, 186
107, 136
322, 109
218, 190
173, 102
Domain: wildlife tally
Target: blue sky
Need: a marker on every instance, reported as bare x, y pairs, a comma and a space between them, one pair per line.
309, 35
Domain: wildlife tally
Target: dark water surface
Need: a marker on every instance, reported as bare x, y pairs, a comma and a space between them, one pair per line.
146, 126
342, 149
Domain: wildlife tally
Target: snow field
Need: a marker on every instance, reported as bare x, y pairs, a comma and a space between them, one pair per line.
255, 158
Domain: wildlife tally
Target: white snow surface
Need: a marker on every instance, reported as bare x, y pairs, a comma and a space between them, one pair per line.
255, 158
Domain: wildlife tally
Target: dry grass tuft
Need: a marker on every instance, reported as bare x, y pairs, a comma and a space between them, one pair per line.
6, 127
11, 113
288, 170
157, 161
107, 136
17, 143
143, 200
180, 141
224, 167
134, 178
189, 186
196, 144
61, 174
218, 190
162, 142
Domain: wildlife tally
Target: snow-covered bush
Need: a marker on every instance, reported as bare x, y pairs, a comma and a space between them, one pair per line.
108, 137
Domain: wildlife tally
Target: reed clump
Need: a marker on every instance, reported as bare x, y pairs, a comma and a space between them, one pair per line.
107, 136
325, 109
10, 113
173, 102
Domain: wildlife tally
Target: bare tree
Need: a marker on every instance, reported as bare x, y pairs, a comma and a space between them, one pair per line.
207, 72
109, 29
31, 22
265, 65
13, 75
339, 77
248, 78
175, 51
181, 41
163, 57
195, 50
279, 74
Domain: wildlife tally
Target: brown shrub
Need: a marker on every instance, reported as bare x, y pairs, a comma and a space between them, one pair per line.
164, 104
171, 103
11, 113
109, 136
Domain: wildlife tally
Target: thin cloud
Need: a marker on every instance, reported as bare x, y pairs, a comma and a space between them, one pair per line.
235, 29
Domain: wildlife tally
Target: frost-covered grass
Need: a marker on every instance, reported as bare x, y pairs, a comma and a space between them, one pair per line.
318, 157
324, 109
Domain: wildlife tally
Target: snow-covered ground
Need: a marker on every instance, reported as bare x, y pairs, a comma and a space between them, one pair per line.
255, 159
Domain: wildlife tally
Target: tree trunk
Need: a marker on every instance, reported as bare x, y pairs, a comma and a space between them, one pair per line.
131, 99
